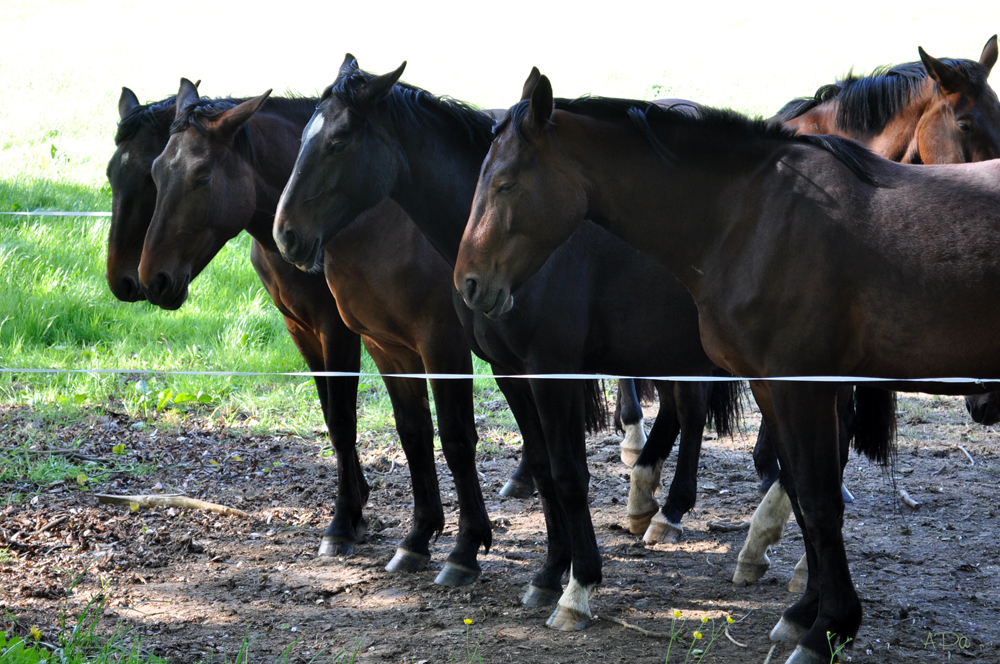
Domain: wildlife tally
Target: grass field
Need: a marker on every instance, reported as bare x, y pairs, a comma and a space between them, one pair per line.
62, 65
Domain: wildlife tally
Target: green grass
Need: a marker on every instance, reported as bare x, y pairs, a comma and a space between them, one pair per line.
62, 65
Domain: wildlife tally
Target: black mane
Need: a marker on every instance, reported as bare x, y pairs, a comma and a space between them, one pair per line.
158, 115
412, 105
646, 117
197, 112
867, 103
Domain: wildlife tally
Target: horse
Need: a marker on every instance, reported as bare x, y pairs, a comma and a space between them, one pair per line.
241, 166
373, 137
806, 256
927, 112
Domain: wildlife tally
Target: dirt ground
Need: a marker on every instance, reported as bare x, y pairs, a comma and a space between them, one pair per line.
193, 583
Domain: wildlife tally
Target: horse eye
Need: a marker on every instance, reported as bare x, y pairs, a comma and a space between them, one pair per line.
338, 146
964, 126
506, 186
202, 181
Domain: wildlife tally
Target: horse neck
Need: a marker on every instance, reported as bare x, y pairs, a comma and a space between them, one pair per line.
675, 214
439, 182
275, 145
898, 135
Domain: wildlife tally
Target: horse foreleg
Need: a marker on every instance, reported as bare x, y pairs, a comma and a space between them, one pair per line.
645, 476
766, 527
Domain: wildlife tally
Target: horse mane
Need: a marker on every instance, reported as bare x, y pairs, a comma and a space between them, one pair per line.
867, 103
197, 112
646, 116
158, 115
408, 104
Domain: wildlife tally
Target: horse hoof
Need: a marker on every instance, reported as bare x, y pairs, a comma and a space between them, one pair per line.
805, 656
747, 573
335, 546
517, 489
787, 632
800, 579
454, 575
661, 530
407, 561
536, 596
846, 493
567, 620
637, 524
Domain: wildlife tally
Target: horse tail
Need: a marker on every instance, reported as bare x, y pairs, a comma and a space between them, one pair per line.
875, 432
800, 105
595, 405
725, 404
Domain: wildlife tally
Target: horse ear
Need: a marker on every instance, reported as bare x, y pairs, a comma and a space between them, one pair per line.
127, 102
197, 84
989, 56
227, 123
186, 94
949, 78
530, 83
379, 87
348, 66
540, 107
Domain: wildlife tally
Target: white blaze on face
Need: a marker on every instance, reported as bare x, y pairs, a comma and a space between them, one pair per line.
313, 128
124, 159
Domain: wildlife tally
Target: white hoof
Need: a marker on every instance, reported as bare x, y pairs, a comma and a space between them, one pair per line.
662, 530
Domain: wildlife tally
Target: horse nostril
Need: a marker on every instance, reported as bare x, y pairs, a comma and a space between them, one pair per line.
471, 286
290, 240
161, 285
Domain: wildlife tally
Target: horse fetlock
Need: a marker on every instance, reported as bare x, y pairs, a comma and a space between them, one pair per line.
573, 611
643, 483
633, 442
750, 570
661, 529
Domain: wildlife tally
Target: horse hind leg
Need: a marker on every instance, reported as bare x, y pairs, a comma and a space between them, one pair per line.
630, 410
645, 477
691, 404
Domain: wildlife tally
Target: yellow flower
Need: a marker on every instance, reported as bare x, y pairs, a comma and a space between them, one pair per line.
36, 633
704, 620
697, 635
729, 619
677, 614
468, 621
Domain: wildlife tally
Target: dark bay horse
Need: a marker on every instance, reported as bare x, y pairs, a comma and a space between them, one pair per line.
806, 256
220, 173
308, 309
373, 138
928, 112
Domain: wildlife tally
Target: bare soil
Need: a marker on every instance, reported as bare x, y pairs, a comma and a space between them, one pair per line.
193, 583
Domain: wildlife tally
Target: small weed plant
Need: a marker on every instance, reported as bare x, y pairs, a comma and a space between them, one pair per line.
701, 640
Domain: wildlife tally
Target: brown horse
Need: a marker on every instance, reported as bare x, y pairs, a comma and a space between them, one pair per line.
806, 256
220, 173
928, 112
308, 309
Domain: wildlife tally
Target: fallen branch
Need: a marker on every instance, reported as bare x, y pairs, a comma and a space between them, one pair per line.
910, 502
967, 455
769, 653
171, 500
644, 632
51, 524
729, 636
726, 526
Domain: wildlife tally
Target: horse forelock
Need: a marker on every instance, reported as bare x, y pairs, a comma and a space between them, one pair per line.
157, 115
